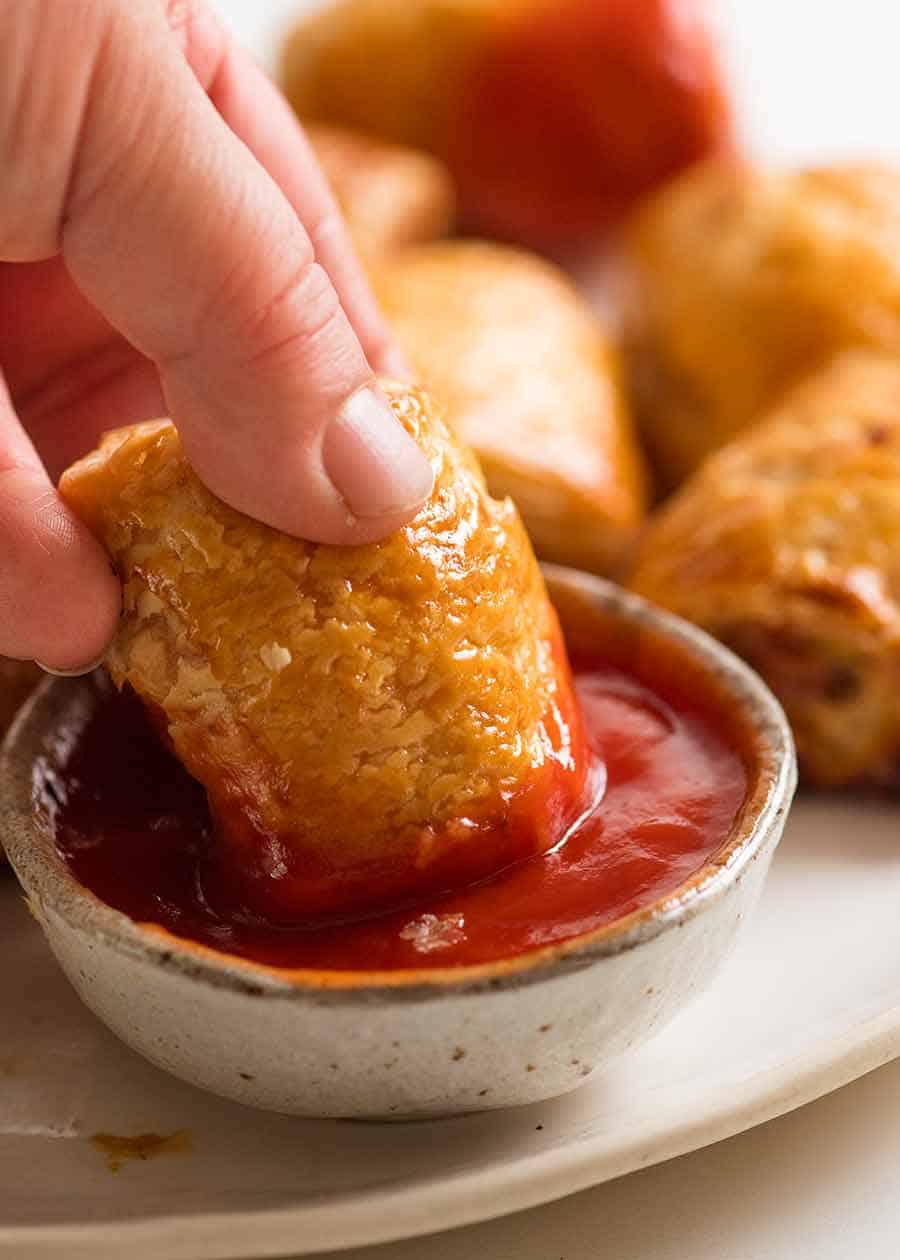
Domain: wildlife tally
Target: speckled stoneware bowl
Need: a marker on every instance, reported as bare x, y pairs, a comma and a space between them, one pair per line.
417, 1043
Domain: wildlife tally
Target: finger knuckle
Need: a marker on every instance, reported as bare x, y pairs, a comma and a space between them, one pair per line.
304, 312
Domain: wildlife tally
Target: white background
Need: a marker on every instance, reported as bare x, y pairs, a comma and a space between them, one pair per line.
814, 78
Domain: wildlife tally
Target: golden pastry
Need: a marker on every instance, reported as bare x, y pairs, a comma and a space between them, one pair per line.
368, 722
786, 545
745, 281
391, 68
531, 382
389, 195
553, 116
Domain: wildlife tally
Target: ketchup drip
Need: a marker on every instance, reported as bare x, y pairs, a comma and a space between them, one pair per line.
135, 829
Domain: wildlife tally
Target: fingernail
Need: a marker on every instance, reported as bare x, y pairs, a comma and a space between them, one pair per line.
70, 673
374, 464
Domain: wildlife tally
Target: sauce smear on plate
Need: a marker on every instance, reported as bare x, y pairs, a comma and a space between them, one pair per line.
134, 828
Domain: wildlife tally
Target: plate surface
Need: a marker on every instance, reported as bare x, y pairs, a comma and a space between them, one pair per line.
810, 1000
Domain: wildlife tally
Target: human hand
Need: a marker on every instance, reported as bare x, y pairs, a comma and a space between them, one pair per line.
169, 246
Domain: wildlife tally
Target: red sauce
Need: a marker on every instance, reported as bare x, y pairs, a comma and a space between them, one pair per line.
315, 882
576, 109
134, 828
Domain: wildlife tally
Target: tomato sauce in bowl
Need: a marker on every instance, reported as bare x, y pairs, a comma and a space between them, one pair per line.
134, 828
496, 994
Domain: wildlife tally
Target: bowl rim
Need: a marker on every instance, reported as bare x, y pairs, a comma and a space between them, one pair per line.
47, 880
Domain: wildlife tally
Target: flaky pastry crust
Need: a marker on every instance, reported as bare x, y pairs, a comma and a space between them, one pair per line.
786, 545
366, 721
531, 382
745, 281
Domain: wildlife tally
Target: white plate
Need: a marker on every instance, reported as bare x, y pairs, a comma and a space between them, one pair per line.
810, 1000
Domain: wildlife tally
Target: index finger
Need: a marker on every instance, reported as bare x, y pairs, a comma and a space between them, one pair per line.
257, 112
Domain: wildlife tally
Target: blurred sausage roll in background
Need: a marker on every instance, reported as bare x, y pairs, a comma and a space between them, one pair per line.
532, 383
553, 116
786, 545
389, 195
744, 281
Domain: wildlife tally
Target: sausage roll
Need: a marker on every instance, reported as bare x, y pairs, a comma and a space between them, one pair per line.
786, 545
368, 722
746, 280
532, 383
553, 116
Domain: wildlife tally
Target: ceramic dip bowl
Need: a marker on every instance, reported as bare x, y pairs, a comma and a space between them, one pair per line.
406, 1043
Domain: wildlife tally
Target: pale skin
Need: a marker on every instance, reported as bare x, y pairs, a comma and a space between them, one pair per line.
168, 247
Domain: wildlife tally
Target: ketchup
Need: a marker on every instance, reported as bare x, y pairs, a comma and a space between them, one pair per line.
135, 828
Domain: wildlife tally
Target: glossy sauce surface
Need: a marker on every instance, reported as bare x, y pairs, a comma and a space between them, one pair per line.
134, 828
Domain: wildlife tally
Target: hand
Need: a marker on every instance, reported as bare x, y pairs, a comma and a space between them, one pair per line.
169, 246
